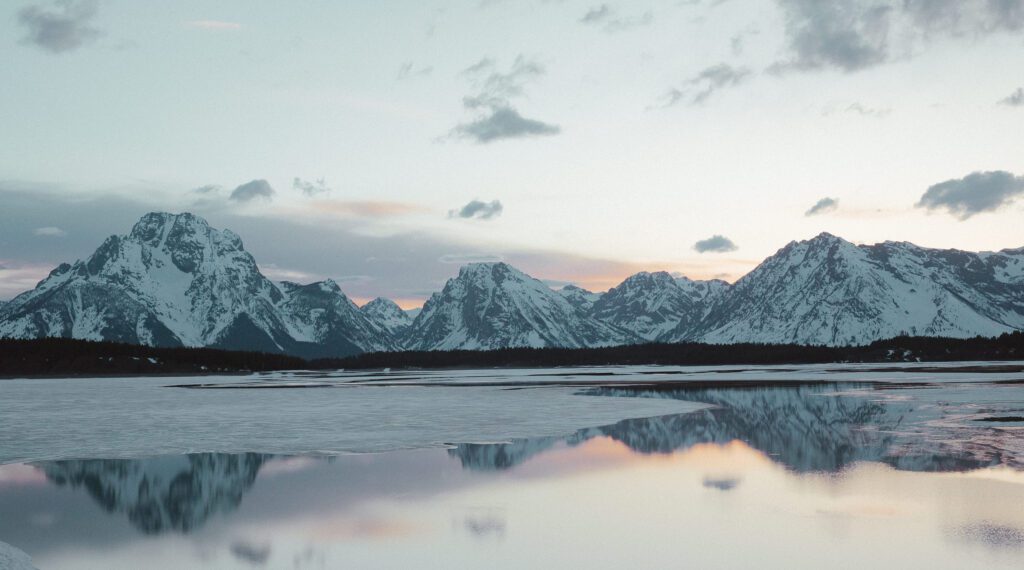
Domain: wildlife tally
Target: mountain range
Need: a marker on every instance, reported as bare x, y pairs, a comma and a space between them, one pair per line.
175, 281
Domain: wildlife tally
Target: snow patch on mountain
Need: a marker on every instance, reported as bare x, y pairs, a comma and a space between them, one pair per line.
493, 305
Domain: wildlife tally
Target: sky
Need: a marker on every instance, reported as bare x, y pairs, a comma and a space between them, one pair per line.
384, 144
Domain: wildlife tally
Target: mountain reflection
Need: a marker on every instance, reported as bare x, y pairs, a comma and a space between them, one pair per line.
806, 428
172, 493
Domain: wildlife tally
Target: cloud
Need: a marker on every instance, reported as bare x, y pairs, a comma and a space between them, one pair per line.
479, 210
256, 554
973, 194
852, 35
60, 27
504, 123
606, 18
715, 244
823, 206
698, 88
214, 25
208, 189
314, 188
464, 258
366, 208
498, 119
49, 231
410, 70
252, 190
857, 109
1015, 99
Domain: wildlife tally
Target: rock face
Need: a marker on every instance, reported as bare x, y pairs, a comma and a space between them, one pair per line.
651, 305
175, 281
387, 315
829, 291
580, 298
493, 305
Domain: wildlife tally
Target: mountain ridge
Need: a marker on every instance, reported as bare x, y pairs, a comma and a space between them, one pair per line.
175, 281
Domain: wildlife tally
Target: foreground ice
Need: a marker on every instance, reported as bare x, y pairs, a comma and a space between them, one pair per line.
13, 559
336, 413
45, 419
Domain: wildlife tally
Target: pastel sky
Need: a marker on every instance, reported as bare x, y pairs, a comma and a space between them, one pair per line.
383, 144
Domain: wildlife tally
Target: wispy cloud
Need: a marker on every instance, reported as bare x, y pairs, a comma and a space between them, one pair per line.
49, 231
608, 19
409, 70
1015, 99
311, 188
715, 244
700, 87
464, 258
973, 194
61, 26
479, 210
856, 108
214, 25
498, 118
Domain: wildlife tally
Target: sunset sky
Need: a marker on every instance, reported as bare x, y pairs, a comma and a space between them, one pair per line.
383, 144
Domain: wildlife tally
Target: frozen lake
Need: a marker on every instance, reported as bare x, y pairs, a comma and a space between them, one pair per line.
717, 467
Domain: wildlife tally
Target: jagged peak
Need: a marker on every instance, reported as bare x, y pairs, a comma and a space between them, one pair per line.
381, 303
572, 287
498, 270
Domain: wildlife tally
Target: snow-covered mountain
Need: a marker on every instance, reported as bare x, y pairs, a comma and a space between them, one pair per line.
580, 298
175, 281
653, 304
829, 291
387, 315
494, 305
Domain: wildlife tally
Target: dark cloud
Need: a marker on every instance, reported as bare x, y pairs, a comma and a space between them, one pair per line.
255, 554
314, 188
252, 190
698, 88
823, 206
715, 244
1015, 99
59, 27
498, 119
973, 194
608, 19
479, 210
852, 35
504, 123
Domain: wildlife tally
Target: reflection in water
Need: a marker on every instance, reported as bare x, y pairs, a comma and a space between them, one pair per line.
806, 428
165, 493
830, 474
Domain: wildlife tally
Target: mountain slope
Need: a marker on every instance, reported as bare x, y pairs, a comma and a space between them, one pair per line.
829, 291
579, 298
175, 281
387, 315
653, 304
493, 305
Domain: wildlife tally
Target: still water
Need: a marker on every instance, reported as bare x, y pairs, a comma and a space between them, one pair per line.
751, 475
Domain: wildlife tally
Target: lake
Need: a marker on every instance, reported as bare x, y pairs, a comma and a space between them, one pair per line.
714, 467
